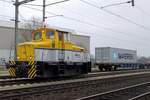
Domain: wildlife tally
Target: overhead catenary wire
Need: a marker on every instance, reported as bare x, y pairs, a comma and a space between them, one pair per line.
7, 1
98, 8
70, 18
105, 28
128, 20
87, 23
38, 10
101, 35
142, 10
142, 26
47, 4
115, 4
93, 25
117, 15
6, 16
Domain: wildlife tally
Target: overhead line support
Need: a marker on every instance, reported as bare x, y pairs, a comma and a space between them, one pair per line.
17, 4
132, 2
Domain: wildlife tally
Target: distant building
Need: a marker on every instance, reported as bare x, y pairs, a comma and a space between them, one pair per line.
7, 36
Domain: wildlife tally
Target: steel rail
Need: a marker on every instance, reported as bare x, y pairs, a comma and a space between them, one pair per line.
74, 86
95, 72
144, 96
18, 81
135, 92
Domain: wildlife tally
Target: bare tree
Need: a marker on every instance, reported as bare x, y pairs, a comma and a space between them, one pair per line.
33, 23
27, 27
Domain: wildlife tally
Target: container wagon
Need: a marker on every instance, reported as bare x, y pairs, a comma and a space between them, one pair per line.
109, 58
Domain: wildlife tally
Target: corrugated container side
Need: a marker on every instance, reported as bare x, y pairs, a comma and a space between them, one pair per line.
115, 55
102, 55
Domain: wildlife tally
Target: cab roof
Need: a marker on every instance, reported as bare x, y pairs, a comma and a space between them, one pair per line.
55, 29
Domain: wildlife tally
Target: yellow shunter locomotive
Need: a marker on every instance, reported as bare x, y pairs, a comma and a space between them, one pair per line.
49, 54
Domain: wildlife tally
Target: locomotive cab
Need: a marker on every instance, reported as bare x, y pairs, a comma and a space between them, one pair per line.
49, 54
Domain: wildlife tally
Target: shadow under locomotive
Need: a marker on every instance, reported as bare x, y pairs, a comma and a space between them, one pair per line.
39, 69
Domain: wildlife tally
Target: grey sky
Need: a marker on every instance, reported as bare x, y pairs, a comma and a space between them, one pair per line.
105, 29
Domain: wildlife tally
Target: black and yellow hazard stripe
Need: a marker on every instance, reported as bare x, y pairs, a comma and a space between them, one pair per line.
32, 70
31, 62
12, 62
12, 71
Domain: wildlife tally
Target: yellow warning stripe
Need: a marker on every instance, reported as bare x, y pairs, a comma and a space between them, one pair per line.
33, 73
31, 69
31, 62
12, 62
12, 71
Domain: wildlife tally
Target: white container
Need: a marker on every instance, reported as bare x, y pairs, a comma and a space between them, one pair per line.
115, 55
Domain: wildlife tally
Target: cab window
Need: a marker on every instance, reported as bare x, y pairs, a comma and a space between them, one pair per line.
37, 35
50, 35
66, 37
60, 36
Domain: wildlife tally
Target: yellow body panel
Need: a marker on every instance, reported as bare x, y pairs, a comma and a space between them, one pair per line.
25, 51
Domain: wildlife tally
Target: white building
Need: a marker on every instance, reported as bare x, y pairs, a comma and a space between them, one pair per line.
7, 36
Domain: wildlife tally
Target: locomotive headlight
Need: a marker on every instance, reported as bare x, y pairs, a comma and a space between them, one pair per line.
30, 58
18, 57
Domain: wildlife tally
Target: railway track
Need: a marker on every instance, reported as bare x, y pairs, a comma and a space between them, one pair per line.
144, 96
5, 77
135, 92
95, 72
18, 81
72, 89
